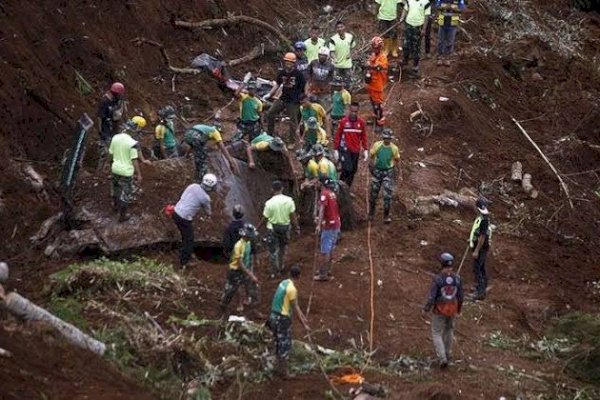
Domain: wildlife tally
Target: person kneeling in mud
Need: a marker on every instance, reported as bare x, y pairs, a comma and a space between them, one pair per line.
264, 142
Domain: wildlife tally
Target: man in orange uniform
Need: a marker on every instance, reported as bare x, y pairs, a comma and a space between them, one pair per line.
376, 78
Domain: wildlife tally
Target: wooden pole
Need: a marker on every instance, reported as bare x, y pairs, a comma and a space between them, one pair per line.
562, 182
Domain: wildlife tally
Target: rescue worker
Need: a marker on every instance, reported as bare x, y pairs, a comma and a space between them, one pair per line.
193, 199
123, 150
350, 138
445, 300
340, 101
325, 168
301, 59
240, 271
284, 304
384, 160
313, 43
250, 110
198, 137
310, 168
165, 145
320, 75
376, 78
414, 14
110, 112
292, 83
479, 242
448, 21
278, 213
310, 109
263, 142
313, 134
328, 225
340, 46
387, 16
232, 232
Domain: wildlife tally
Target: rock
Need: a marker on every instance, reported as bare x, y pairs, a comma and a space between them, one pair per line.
3, 272
536, 77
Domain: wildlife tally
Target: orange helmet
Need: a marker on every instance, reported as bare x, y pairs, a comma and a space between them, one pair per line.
377, 41
291, 57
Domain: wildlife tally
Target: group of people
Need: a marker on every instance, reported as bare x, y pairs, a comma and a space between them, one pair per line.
330, 137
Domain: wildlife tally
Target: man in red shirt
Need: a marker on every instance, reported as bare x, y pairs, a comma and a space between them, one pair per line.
350, 137
328, 225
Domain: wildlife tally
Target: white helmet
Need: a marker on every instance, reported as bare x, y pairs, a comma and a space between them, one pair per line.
209, 181
324, 51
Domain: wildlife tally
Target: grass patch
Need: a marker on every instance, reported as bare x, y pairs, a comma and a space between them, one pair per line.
69, 310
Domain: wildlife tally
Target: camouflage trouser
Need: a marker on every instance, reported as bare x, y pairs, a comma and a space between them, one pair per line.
200, 161
277, 240
235, 279
381, 178
249, 129
411, 47
281, 326
123, 189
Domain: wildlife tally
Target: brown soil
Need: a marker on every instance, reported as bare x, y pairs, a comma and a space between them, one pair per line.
541, 260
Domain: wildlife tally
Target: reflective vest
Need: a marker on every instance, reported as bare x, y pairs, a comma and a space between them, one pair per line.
475, 229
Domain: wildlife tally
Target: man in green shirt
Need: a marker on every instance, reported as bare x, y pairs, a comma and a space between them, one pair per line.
279, 211
313, 44
124, 164
250, 109
340, 101
414, 13
341, 45
387, 16
384, 156
164, 133
263, 142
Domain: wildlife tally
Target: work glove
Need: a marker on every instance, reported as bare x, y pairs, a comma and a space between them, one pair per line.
365, 155
336, 155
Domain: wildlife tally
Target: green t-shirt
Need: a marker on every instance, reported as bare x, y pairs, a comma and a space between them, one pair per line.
388, 9
250, 108
166, 133
417, 11
340, 100
263, 137
285, 296
278, 209
123, 152
327, 169
312, 50
384, 156
342, 49
241, 255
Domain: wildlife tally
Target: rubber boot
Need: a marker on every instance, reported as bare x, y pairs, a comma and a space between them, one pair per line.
123, 216
386, 46
386, 215
371, 210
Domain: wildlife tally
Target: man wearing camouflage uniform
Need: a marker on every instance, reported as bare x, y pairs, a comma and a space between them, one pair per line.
198, 137
384, 156
285, 303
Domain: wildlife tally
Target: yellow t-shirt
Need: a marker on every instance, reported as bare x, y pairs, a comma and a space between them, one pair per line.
315, 110
240, 257
285, 295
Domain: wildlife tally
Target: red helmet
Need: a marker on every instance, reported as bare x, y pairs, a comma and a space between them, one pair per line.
117, 88
377, 41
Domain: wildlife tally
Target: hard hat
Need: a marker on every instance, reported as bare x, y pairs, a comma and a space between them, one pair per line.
387, 133
276, 144
318, 150
167, 112
312, 123
209, 181
299, 46
329, 183
217, 124
303, 155
291, 57
248, 231
324, 51
238, 211
446, 259
482, 206
117, 88
136, 123
377, 41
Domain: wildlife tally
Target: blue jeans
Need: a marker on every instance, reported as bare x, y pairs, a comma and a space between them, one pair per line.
328, 240
446, 38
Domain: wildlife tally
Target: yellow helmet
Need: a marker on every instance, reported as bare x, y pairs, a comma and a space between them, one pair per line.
140, 122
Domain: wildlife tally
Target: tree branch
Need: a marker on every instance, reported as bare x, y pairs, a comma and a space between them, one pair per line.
235, 20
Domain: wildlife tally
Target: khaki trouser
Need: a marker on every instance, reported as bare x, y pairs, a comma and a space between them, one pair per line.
442, 332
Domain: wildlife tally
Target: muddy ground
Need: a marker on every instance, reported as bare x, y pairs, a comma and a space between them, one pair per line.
544, 254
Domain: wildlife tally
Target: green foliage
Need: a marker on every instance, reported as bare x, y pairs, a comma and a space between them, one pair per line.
69, 310
103, 273
498, 340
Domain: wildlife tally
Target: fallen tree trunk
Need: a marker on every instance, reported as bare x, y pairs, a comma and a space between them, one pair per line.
235, 20
22, 308
256, 52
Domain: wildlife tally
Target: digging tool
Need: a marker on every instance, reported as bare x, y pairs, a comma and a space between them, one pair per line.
463, 259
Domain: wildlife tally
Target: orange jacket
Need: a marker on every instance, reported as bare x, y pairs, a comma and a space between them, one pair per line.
378, 78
